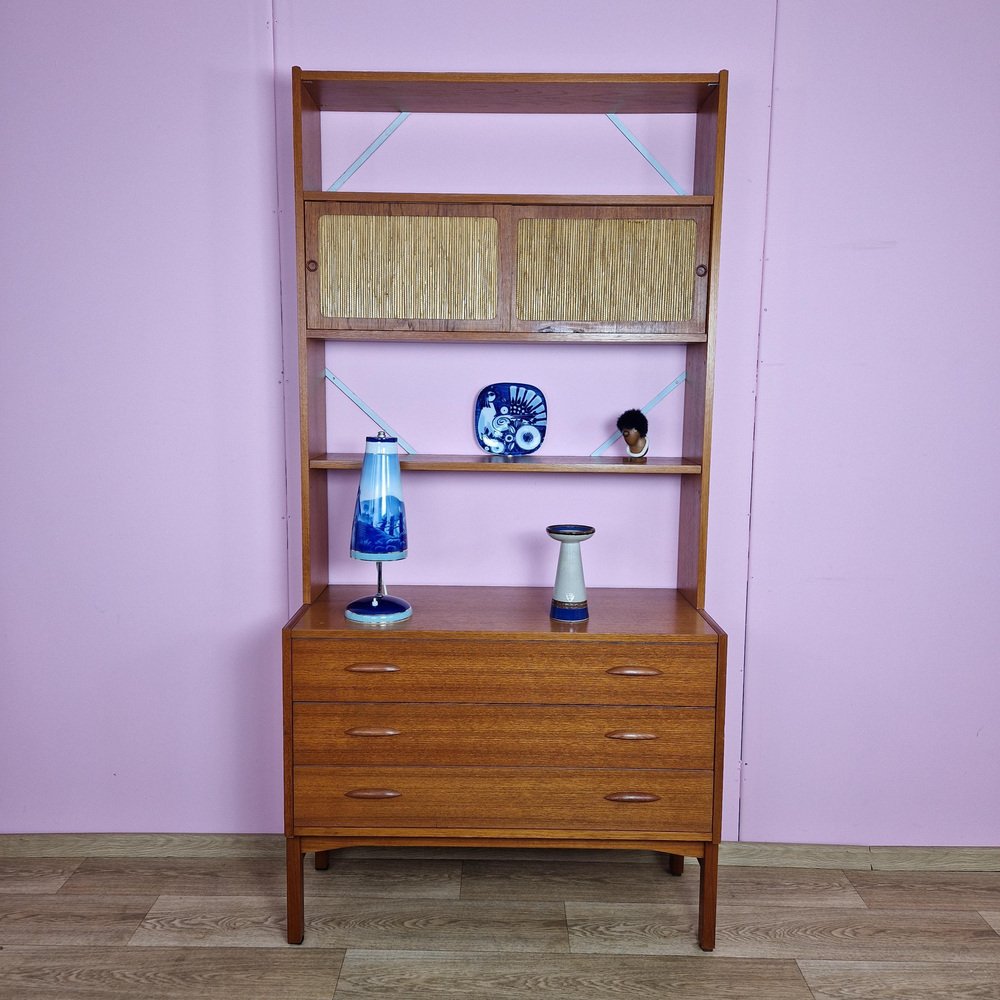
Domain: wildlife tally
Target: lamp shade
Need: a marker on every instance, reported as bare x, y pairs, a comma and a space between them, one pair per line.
378, 533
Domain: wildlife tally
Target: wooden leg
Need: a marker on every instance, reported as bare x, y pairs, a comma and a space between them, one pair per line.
708, 893
675, 864
322, 860
296, 892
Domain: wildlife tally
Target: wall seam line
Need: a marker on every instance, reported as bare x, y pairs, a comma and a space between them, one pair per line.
753, 436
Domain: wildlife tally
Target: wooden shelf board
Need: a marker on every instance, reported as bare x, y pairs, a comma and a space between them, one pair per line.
405, 197
620, 614
368, 335
603, 464
510, 93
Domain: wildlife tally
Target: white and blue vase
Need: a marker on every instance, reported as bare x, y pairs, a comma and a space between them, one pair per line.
569, 595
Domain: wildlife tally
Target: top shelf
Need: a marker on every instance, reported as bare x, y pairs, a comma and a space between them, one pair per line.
511, 93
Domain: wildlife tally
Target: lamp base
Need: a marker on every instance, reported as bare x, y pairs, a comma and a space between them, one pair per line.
378, 609
569, 611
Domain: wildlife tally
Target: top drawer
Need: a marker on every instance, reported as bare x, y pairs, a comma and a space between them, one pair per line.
512, 672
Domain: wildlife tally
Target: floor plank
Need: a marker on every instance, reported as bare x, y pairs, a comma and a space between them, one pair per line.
901, 981
425, 924
264, 877
787, 932
33, 918
377, 975
934, 890
746, 854
134, 845
969, 859
635, 883
435, 878
36, 874
167, 974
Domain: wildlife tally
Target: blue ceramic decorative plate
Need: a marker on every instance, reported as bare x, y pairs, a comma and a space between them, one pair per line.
510, 418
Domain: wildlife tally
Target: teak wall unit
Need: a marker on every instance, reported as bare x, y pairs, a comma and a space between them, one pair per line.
422, 733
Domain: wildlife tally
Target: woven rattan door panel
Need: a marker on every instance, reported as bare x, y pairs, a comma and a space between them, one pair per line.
613, 269
419, 266
527, 270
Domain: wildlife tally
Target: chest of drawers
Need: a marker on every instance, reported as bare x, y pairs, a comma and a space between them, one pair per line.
480, 722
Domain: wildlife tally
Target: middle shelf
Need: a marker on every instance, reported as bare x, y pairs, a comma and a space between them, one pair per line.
523, 463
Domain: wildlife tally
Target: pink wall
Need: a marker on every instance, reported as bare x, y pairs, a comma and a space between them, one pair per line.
144, 536
871, 678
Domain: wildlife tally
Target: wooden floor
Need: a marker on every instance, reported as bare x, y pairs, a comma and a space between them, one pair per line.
90, 918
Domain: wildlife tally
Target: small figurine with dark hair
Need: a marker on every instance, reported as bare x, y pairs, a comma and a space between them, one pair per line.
634, 427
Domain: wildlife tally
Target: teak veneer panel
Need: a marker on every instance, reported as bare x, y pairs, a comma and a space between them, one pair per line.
500, 718
513, 672
625, 615
510, 93
545, 736
521, 798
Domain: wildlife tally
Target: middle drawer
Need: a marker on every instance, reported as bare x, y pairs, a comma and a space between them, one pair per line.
581, 736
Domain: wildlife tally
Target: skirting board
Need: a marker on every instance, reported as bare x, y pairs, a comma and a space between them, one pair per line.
183, 845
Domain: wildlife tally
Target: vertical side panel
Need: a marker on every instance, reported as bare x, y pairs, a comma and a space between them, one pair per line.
312, 388
710, 140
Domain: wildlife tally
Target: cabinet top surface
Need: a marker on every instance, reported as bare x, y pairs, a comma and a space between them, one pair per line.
510, 93
513, 612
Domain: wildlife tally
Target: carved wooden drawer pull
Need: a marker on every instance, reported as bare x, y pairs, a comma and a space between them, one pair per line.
371, 731
634, 671
626, 734
632, 797
372, 668
372, 793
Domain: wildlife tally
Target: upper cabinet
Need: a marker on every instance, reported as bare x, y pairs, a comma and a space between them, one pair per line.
490, 270
496, 267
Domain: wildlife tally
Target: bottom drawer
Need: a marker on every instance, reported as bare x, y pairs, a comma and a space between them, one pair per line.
506, 798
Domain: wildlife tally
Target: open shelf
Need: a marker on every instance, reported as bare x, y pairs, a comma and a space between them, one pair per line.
622, 614
617, 464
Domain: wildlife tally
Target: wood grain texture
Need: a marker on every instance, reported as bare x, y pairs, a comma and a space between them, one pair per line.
517, 612
375, 975
531, 464
929, 890
951, 859
508, 93
504, 798
531, 924
788, 932
543, 736
611, 882
74, 846
513, 672
433, 878
167, 974
34, 918
36, 875
132, 845
203, 921
749, 854
901, 980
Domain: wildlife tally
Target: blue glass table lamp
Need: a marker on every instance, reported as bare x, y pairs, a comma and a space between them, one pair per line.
379, 531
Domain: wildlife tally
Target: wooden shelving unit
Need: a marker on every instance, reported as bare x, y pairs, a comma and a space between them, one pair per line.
468, 724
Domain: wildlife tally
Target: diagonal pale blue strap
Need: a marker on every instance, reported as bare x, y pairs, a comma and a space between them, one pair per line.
383, 135
365, 408
658, 398
647, 155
